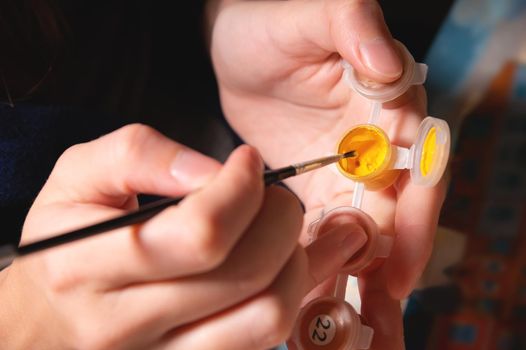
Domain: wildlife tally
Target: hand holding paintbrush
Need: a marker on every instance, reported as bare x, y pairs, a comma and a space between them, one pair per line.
227, 253
9, 253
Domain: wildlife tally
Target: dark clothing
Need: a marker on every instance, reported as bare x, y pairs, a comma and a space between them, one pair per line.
31, 140
121, 62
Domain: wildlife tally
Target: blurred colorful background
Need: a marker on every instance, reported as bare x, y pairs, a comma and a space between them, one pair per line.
473, 293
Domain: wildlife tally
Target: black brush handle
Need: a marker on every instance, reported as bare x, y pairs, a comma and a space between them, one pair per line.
134, 217
137, 216
272, 176
8, 253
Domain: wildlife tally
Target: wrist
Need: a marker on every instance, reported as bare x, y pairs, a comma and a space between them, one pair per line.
22, 325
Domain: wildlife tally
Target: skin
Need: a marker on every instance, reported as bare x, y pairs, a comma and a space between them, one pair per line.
280, 79
210, 267
197, 276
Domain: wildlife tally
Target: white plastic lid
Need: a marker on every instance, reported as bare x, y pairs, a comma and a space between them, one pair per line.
377, 245
413, 74
430, 153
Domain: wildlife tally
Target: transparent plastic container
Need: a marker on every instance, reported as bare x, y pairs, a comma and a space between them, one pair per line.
377, 245
329, 323
413, 74
378, 162
428, 157
373, 165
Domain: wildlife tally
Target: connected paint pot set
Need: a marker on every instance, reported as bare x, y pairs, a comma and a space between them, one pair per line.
330, 323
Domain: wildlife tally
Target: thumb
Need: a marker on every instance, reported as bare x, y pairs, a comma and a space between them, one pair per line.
355, 29
134, 159
361, 36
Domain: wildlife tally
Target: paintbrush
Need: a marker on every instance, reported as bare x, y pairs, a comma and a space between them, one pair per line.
8, 252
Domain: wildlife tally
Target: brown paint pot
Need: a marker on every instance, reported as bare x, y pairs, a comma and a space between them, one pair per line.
377, 245
330, 323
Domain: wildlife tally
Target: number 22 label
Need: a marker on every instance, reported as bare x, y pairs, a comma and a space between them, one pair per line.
322, 330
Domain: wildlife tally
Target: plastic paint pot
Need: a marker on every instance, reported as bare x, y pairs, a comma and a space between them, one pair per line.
330, 323
377, 245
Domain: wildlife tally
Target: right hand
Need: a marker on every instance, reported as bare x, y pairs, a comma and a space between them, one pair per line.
221, 270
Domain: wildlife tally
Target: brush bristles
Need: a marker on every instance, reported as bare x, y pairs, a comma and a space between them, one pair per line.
349, 154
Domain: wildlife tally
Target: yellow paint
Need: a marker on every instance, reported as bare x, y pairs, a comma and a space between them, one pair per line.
428, 152
371, 148
372, 159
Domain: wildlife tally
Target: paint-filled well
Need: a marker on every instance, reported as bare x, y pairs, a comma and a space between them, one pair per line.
372, 160
428, 152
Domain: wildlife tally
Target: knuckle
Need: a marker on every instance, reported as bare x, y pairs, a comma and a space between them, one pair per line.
67, 158
60, 278
129, 140
245, 174
207, 242
247, 182
70, 152
128, 146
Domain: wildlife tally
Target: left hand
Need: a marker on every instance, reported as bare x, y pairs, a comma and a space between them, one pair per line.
281, 86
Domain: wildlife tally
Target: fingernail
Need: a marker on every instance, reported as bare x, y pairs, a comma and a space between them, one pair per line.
381, 58
355, 240
193, 169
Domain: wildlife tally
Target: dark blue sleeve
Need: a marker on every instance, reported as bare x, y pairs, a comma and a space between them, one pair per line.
31, 140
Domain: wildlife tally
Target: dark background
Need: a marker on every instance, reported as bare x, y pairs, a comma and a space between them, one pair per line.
119, 62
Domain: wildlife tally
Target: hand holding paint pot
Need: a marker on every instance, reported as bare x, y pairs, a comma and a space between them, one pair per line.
330, 322
291, 91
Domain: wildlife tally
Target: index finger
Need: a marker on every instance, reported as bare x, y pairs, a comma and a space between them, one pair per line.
133, 159
416, 220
